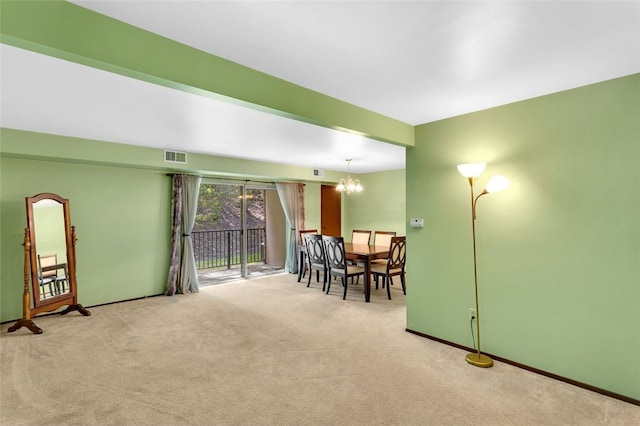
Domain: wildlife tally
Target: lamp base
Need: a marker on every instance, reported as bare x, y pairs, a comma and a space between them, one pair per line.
479, 360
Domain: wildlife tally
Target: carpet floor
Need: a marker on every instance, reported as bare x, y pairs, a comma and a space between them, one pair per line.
269, 351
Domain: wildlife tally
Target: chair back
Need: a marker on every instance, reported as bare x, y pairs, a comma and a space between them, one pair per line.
306, 231
44, 261
359, 236
315, 249
397, 253
335, 254
383, 238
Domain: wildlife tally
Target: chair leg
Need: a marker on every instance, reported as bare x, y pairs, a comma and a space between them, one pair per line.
329, 284
310, 275
344, 283
404, 287
389, 289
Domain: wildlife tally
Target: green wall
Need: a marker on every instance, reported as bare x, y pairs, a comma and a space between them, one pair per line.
558, 253
381, 205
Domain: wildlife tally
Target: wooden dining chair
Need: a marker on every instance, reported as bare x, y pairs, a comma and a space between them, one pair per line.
359, 236
316, 258
337, 262
302, 250
382, 238
395, 265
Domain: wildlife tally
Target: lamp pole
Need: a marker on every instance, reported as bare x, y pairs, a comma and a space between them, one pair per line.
477, 358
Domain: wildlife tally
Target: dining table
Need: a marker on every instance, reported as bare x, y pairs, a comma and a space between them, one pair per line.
366, 253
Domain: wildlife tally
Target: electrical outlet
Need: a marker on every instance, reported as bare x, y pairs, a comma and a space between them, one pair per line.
472, 313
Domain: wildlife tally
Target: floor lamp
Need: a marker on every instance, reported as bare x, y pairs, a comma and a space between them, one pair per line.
497, 183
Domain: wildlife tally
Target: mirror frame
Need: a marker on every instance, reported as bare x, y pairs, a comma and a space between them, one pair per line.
31, 302
49, 304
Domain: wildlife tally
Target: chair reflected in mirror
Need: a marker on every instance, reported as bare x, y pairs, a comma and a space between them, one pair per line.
51, 275
46, 278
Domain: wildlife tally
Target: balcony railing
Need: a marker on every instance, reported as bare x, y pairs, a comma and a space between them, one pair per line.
221, 248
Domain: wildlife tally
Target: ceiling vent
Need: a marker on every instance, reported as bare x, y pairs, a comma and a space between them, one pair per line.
175, 157
318, 172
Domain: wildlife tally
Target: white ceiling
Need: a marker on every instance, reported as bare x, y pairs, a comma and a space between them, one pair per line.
417, 62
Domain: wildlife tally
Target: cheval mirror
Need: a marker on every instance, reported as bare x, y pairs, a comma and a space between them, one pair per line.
49, 260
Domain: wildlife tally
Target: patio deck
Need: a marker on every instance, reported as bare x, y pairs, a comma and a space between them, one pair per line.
207, 277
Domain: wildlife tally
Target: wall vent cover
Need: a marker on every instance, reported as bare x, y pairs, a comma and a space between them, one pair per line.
175, 157
318, 172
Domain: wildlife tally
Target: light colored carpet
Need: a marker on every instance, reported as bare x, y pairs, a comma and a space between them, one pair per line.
269, 351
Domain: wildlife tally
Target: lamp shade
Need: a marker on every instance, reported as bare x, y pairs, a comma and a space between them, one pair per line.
471, 170
497, 183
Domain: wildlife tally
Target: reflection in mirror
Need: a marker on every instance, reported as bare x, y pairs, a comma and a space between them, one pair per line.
50, 246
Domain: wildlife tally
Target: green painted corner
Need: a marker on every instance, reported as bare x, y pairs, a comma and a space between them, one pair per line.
381, 205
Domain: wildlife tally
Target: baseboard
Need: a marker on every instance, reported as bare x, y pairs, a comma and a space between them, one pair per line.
88, 307
534, 370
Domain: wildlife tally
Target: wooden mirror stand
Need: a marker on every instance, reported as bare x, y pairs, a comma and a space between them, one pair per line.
49, 260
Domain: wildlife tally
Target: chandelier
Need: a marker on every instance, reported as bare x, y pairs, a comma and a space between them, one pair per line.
349, 185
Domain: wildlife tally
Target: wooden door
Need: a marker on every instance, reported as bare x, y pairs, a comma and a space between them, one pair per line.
330, 211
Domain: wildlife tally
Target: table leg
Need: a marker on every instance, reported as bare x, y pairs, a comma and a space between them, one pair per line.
367, 279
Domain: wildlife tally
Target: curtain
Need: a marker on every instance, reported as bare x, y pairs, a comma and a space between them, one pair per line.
188, 273
183, 277
292, 199
176, 223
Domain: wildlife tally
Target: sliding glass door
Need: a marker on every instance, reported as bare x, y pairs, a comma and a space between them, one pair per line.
230, 233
